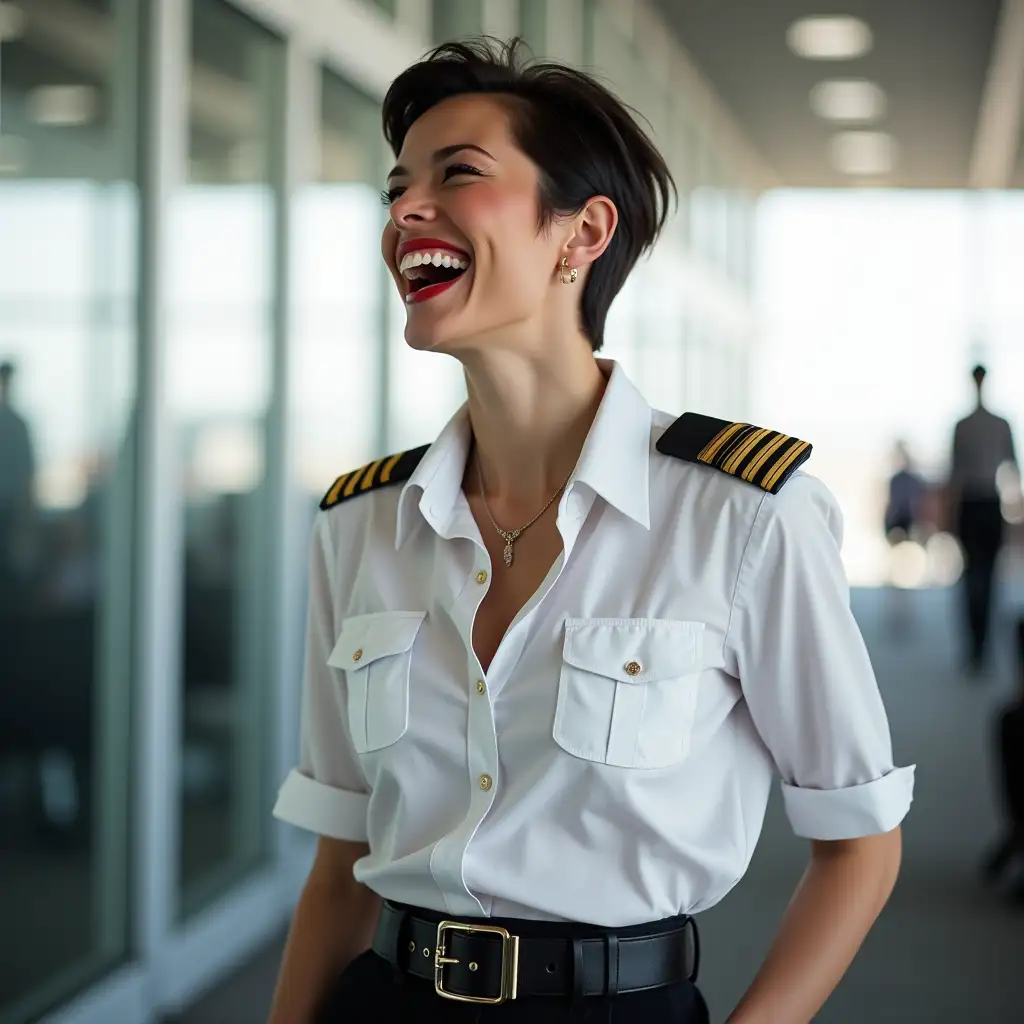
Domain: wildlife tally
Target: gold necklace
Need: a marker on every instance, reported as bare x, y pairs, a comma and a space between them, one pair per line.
510, 536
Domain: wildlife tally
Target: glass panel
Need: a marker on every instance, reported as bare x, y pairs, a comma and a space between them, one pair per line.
453, 19
338, 287
68, 210
220, 349
387, 6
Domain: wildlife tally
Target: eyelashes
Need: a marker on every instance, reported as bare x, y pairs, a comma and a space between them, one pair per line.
389, 195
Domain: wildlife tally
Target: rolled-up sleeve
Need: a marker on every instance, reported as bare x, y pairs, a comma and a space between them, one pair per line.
806, 675
327, 792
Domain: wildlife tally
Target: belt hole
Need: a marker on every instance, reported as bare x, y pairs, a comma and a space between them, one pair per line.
412, 947
551, 968
426, 952
474, 966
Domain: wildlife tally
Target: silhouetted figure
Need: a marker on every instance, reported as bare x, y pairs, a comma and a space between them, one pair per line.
1009, 853
906, 492
17, 470
982, 442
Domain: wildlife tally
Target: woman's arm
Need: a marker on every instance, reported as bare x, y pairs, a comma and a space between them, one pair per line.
334, 922
837, 901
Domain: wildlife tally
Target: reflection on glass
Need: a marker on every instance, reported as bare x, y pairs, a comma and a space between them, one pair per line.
338, 286
219, 327
67, 345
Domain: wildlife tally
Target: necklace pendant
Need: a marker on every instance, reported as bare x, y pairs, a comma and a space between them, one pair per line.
508, 554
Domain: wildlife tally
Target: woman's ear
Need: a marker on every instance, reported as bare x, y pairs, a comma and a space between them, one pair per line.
593, 228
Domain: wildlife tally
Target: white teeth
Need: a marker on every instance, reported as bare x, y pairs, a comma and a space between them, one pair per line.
437, 259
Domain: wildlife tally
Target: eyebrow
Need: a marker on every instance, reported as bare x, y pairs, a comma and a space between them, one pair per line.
442, 154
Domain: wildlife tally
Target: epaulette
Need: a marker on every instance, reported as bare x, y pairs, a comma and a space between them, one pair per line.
392, 469
761, 457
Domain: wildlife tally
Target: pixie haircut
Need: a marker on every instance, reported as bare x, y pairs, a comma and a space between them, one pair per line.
583, 140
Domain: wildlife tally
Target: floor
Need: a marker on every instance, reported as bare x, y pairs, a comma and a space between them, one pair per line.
946, 950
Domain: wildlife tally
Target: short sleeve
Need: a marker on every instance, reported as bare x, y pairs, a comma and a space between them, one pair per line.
806, 675
327, 792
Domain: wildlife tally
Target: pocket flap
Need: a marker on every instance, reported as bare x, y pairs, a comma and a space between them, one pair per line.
365, 638
633, 650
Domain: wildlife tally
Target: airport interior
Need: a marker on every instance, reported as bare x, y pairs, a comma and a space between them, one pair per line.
199, 336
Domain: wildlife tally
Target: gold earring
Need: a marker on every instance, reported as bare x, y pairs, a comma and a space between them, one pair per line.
572, 272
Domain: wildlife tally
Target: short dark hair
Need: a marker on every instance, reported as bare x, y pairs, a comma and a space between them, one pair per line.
584, 141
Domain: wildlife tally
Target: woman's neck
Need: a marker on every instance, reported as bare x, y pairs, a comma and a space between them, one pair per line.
530, 416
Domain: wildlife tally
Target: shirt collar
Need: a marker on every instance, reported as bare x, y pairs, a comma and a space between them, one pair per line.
614, 461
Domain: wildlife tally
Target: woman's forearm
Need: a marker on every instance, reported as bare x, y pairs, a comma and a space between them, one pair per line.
841, 894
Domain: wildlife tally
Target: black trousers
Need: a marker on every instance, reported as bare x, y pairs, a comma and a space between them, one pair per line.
980, 526
371, 991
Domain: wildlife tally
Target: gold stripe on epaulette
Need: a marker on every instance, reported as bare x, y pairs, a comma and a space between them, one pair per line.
784, 464
773, 446
371, 472
744, 450
332, 494
385, 474
710, 450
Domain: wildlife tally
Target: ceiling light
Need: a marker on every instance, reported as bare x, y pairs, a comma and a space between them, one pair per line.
863, 153
63, 105
838, 38
853, 100
12, 22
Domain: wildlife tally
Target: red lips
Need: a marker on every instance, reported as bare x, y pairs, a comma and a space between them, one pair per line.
433, 244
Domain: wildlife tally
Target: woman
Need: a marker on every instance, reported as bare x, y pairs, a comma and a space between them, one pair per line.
555, 656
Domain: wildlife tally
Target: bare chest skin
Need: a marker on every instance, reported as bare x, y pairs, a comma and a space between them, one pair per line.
510, 587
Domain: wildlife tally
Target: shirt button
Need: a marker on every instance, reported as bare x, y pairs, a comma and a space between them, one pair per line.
634, 668
486, 782
481, 687
481, 577
357, 655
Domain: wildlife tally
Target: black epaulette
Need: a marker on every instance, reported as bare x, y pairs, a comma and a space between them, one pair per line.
392, 469
761, 457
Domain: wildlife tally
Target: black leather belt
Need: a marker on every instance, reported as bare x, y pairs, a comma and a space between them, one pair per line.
477, 962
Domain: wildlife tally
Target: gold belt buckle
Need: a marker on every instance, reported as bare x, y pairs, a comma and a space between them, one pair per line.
509, 962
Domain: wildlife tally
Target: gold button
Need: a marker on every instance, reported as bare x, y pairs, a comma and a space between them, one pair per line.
358, 655
481, 687
486, 782
481, 577
634, 668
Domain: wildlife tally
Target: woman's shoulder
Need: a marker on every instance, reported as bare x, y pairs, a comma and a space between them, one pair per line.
373, 476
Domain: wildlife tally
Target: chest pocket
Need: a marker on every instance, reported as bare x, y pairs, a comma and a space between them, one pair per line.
627, 691
376, 653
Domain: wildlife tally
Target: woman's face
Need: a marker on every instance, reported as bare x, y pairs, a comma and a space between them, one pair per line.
462, 242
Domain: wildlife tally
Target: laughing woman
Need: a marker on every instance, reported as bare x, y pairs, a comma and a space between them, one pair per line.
556, 656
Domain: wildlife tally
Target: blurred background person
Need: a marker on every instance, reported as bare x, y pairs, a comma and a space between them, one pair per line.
982, 444
17, 470
903, 526
1005, 863
906, 493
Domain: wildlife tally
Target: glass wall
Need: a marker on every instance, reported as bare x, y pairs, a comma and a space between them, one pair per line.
220, 336
68, 226
338, 293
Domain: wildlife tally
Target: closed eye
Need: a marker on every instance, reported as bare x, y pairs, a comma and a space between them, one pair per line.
453, 169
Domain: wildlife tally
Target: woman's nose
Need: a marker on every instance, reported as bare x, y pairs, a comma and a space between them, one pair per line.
413, 206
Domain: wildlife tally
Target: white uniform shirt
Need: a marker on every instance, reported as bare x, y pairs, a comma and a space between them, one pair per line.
613, 765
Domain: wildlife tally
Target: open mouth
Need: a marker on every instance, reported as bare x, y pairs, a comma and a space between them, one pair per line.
429, 273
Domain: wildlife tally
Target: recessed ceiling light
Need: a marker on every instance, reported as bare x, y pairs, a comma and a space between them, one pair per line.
12, 22
833, 38
852, 100
863, 153
63, 105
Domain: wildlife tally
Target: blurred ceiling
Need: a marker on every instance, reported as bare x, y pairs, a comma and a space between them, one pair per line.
932, 58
